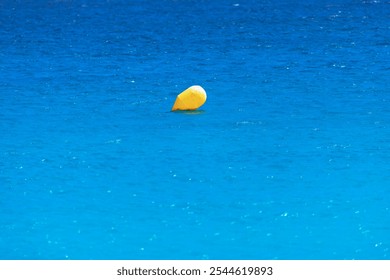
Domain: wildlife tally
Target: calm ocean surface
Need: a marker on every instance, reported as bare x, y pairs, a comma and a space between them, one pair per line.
288, 159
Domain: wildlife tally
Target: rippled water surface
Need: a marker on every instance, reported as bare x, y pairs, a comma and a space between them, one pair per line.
288, 159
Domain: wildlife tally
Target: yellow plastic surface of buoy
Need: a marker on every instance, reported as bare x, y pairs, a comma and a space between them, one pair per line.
190, 99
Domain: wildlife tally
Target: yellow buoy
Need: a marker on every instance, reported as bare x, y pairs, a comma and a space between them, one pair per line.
190, 99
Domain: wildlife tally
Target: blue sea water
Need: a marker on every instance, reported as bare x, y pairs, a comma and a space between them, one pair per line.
288, 159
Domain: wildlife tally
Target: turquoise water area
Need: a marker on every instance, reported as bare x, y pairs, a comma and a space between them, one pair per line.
288, 159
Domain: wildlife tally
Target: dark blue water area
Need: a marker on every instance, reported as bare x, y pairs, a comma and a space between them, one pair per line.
288, 159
